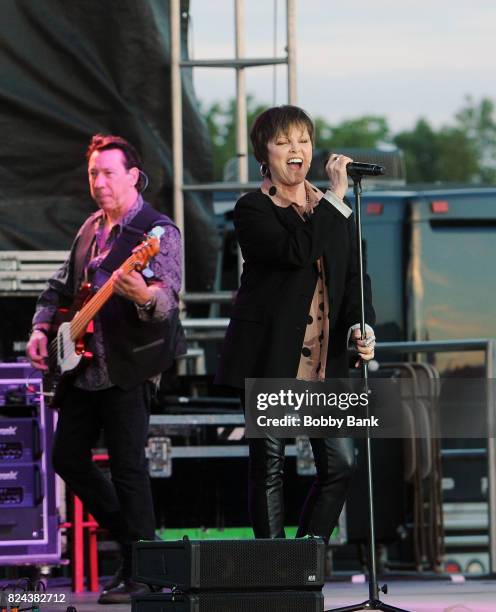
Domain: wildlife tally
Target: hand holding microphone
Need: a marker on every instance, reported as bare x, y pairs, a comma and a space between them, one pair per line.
336, 171
339, 167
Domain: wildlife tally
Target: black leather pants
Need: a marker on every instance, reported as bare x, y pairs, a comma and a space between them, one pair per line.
334, 460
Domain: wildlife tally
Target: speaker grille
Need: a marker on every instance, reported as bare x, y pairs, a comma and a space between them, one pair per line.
271, 563
295, 601
231, 565
262, 602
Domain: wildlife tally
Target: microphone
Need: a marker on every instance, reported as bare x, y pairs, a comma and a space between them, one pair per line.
360, 169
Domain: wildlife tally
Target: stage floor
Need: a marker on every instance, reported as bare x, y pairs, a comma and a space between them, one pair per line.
412, 595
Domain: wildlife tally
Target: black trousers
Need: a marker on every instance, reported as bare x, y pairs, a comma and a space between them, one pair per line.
334, 460
124, 504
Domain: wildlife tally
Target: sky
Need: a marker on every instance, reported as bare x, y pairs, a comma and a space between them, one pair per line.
400, 59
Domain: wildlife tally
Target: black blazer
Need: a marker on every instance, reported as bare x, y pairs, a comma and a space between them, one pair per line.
269, 317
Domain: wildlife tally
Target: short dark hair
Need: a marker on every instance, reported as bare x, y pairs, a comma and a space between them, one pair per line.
102, 142
274, 121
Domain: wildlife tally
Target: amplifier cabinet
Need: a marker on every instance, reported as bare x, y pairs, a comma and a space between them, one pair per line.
21, 486
19, 440
231, 564
29, 519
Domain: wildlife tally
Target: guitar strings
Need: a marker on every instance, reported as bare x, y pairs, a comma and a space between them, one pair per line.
87, 313
82, 318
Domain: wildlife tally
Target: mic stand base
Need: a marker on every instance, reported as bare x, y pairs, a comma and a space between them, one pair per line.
369, 605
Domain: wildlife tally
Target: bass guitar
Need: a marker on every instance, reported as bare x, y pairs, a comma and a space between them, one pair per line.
67, 350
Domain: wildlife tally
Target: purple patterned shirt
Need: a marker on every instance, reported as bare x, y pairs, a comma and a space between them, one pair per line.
166, 284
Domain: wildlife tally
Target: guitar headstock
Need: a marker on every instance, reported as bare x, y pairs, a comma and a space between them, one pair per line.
147, 249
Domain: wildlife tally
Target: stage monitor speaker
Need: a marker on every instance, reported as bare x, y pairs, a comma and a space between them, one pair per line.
231, 564
282, 601
21, 486
19, 440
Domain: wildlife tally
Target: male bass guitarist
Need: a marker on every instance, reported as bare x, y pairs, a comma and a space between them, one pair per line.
135, 336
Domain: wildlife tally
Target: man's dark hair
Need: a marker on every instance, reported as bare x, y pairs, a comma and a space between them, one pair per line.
101, 142
274, 121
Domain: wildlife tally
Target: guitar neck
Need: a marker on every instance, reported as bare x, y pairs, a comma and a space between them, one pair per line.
82, 319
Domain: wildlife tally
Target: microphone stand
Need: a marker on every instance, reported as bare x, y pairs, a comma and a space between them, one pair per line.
373, 602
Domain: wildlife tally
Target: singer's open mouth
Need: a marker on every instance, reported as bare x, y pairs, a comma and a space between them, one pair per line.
295, 161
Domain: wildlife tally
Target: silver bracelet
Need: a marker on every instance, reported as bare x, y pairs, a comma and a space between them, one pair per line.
147, 306
39, 329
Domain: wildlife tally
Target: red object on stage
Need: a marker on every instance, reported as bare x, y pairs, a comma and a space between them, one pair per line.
77, 527
79, 524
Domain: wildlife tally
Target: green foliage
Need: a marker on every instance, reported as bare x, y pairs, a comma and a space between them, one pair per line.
478, 122
221, 123
365, 132
445, 155
462, 152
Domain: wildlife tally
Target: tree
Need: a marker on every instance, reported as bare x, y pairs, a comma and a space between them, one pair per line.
478, 123
221, 123
457, 156
430, 156
365, 132
420, 151
464, 151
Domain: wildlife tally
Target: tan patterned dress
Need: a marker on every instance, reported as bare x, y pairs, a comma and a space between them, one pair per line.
313, 357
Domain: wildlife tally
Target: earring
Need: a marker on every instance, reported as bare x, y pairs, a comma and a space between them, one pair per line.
264, 169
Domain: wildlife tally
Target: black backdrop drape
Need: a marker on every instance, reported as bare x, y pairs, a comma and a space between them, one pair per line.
69, 69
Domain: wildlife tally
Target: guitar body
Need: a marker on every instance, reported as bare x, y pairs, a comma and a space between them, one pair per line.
66, 357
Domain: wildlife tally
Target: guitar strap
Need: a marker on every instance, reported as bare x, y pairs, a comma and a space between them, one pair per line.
130, 236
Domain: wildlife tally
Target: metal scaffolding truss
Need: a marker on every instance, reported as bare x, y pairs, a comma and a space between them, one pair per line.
239, 63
